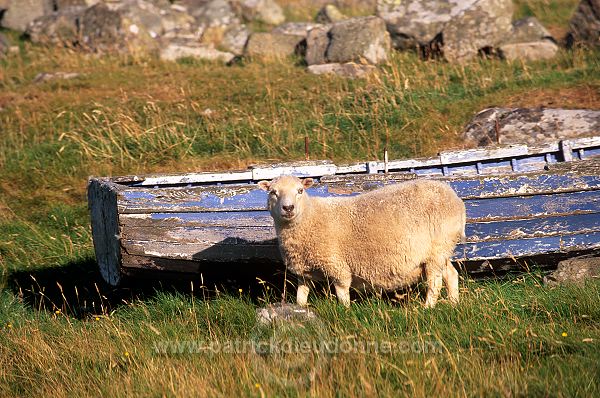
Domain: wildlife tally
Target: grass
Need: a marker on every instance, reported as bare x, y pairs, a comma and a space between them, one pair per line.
62, 331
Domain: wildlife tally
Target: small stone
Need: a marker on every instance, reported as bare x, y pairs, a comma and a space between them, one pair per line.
283, 312
267, 11
174, 51
531, 51
44, 76
20, 13
350, 70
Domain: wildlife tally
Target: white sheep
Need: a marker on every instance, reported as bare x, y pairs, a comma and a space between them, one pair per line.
385, 239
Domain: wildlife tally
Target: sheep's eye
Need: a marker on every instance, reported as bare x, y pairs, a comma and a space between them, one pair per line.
274, 193
300, 190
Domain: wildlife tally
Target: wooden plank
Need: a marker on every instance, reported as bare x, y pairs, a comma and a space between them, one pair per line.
532, 228
477, 154
241, 250
300, 169
258, 226
102, 202
194, 178
481, 251
476, 232
209, 235
231, 249
251, 198
200, 220
526, 207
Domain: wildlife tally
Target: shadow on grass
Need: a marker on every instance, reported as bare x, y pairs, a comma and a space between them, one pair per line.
77, 288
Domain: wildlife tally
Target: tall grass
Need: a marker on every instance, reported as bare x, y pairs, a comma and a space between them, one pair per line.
64, 333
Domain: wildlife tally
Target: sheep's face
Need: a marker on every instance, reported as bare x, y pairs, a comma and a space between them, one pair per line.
287, 197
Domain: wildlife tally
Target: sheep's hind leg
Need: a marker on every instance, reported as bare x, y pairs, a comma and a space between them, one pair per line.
302, 293
450, 277
342, 291
434, 276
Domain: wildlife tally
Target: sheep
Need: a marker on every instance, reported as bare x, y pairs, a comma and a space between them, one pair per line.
385, 239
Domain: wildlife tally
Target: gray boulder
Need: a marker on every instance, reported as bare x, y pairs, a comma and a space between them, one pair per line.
349, 70
529, 41
267, 11
20, 13
352, 40
235, 38
459, 27
274, 45
584, 27
575, 271
530, 125
329, 14
528, 30
483, 25
59, 27
214, 13
317, 42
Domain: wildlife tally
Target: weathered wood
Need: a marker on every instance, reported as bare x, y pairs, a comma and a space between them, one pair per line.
102, 200
460, 162
478, 154
176, 222
250, 198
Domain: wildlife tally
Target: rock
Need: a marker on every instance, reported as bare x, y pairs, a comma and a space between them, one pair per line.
45, 77
59, 27
528, 30
584, 27
20, 13
530, 51
296, 28
530, 125
174, 51
528, 41
267, 11
235, 39
63, 4
283, 312
317, 42
329, 14
483, 25
274, 45
349, 70
357, 39
418, 21
462, 27
575, 270
214, 13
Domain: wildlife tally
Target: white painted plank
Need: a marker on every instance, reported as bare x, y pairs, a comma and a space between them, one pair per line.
471, 155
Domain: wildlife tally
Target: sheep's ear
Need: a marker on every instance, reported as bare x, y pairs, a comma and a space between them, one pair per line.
264, 185
308, 182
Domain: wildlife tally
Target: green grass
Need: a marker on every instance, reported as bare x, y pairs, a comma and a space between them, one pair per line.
136, 115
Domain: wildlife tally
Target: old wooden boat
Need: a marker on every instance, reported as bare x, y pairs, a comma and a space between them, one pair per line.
521, 201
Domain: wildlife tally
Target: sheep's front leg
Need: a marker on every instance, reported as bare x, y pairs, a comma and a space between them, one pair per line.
302, 293
433, 274
450, 277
